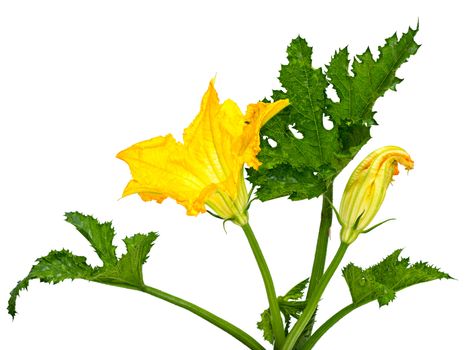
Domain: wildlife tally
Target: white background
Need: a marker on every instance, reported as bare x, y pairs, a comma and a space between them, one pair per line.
81, 80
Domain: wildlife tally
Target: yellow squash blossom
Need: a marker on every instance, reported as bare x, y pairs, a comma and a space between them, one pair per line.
207, 168
366, 189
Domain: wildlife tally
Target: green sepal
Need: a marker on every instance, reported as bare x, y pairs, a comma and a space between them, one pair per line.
381, 281
377, 225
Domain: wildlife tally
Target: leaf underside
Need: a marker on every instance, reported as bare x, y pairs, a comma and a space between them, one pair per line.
300, 156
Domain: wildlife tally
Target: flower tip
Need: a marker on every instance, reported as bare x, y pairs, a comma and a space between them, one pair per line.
410, 164
120, 155
212, 82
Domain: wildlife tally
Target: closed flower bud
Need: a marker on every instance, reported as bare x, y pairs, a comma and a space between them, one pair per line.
366, 189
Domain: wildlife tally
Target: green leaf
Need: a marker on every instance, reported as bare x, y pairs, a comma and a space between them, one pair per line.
300, 157
266, 326
289, 305
297, 291
100, 235
382, 281
128, 271
370, 79
53, 268
302, 144
60, 265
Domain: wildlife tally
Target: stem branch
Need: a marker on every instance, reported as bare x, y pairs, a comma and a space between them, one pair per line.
313, 301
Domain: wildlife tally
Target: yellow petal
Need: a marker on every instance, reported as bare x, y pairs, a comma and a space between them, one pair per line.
207, 168
160, 170
210, 138
257, 115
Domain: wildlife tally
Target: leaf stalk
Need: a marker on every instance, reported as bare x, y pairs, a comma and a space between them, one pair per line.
226, 326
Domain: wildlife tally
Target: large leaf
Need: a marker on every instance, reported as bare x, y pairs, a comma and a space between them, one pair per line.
58, 266
358, 90
300, 157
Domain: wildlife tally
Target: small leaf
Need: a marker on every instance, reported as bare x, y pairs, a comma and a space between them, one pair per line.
297, 291
266, 326
100, 235
60, 265
289, 307
382, 281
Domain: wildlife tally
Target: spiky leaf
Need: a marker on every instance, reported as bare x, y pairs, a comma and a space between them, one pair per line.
296, 293
60, 265
290, 307
129, 269
382, 281
300, 156
100, 235
52, 268
369, 79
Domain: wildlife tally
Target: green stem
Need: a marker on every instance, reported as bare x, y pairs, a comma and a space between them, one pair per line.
211, 318
329, 323
276, 319
322, 242
320, 256
313, 301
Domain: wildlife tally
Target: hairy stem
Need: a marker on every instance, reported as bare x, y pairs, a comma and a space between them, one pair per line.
234, 331
276, 319
312, 303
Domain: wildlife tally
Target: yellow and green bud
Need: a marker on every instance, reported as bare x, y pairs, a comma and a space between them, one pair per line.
366, 189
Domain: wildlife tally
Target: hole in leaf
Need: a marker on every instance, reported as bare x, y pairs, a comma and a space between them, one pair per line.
315, 173
331, 93
297, 134
272, 143
327, 123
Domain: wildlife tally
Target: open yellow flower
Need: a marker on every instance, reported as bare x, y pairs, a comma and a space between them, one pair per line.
207, 168
366, 189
